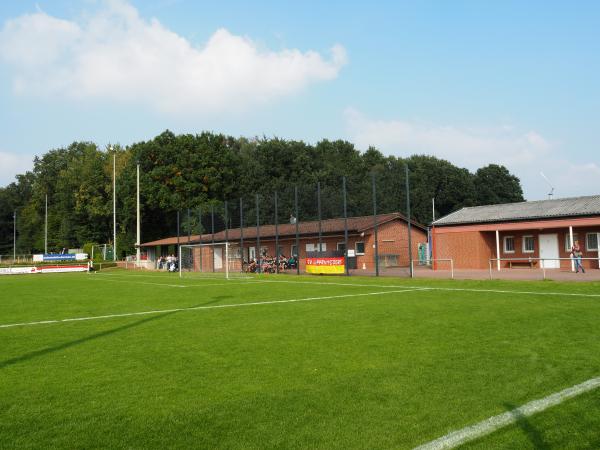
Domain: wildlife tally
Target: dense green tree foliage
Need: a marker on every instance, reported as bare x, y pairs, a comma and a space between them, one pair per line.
200, 172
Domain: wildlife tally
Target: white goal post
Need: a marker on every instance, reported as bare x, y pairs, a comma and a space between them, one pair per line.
218, 260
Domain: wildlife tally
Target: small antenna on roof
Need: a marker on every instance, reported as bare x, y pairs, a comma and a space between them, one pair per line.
551, 193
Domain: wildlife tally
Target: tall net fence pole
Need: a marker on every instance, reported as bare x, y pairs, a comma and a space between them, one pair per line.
200, 231
242, 231
189, 225
14, 236
319, 216
178, 252
226, 215
408, 220
212, 230
345, 227
258, 252
276, 235
297, 256
376, 243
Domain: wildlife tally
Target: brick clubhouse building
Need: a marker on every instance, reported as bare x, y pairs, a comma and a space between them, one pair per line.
520, 233
392, 240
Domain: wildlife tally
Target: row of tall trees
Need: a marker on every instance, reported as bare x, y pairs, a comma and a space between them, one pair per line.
200, 172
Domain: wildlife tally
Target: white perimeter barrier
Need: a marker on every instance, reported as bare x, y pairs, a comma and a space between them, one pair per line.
21, 270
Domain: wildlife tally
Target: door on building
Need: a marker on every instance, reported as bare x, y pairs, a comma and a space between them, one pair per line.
218, 255
549, 251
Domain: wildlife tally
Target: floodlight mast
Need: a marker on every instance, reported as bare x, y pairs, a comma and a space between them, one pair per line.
551, 193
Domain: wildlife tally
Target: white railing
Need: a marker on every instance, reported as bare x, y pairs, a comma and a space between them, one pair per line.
531, 260
431, 262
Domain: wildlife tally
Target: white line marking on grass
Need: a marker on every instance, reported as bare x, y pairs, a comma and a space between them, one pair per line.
196, 308
166, 275
138, 282
485, 427
497, 291
123, 280
500, 291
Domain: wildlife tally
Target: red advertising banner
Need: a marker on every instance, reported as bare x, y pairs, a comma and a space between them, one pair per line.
325, 265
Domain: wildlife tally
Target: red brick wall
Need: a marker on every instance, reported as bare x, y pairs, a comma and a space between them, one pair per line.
473, 249
578, 233
468, 250
392, 239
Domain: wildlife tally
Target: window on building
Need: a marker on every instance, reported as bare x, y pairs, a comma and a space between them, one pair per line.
528, 244
509, 244
568, 243
341, 246
315, 247
252, 252
591, 242
294, 250
359, 247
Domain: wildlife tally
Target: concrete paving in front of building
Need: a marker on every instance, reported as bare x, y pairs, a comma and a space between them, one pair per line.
474, 274
512, 274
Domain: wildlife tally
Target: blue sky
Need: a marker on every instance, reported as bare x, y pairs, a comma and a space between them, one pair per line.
514, 83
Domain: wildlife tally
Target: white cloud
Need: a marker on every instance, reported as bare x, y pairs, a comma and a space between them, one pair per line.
12, 164
469, 148
117, 55
524, 153
569, 178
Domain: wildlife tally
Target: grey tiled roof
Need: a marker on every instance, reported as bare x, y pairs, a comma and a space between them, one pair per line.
541, 209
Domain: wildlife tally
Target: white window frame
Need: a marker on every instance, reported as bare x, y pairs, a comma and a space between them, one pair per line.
251, 253
504, 240
356, 248
586, 241
524, 248
568, 238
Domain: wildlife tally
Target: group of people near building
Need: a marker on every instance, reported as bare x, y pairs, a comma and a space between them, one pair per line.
268, 264
168, 263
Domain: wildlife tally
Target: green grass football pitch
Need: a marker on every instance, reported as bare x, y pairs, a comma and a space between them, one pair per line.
291, 362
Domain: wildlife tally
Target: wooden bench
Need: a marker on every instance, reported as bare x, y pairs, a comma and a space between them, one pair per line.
522, 262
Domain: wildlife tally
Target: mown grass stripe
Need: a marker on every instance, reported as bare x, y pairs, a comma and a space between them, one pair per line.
487, 426
195, 308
